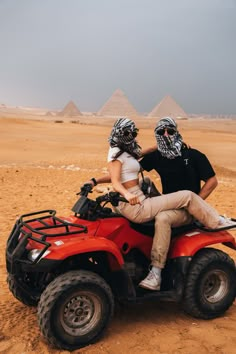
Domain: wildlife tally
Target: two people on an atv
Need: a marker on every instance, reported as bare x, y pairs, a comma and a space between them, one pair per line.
181, 170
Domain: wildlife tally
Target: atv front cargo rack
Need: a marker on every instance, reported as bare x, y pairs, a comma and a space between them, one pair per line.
50, 221
44, 224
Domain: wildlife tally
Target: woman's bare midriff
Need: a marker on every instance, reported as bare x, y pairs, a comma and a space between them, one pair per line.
130, 184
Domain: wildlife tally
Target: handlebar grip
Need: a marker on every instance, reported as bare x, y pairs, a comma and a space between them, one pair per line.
115, 198
85, 189
122, 199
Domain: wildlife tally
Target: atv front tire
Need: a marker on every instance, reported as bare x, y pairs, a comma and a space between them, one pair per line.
75, 309
211, 284
19, 290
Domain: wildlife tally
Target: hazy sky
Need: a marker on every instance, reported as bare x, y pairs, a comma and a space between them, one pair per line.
53, 51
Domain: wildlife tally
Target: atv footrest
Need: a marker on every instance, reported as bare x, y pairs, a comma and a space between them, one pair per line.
143, 295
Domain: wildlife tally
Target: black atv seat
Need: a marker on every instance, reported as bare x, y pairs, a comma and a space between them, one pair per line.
148, 228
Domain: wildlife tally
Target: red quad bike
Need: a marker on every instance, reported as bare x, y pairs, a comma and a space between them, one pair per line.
74, 268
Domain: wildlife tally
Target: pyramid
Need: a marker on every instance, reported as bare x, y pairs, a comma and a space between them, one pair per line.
49, 114
168, 107
118, 105
70, 110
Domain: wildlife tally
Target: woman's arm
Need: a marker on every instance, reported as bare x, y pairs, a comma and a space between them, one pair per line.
114, 168
95, 181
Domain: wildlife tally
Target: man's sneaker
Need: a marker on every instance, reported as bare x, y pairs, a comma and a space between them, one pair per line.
226, 222
151, 282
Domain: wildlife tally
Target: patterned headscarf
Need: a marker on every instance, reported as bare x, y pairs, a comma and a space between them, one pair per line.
169, 146
122, 137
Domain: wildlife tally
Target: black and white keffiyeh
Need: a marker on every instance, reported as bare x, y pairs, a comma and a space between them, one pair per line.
169, 146
122, 137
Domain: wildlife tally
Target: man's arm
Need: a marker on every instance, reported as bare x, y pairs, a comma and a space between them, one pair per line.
205, 172
148, 150
208, 187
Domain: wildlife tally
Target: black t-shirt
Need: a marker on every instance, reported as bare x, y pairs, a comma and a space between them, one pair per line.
183, 172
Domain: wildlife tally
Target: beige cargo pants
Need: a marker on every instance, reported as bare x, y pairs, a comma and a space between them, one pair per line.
181, 207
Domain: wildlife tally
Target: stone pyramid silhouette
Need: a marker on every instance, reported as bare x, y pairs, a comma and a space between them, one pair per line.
49, 114
118, 105
168, 107
70, 110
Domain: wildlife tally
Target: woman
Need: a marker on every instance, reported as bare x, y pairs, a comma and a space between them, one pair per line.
124, 168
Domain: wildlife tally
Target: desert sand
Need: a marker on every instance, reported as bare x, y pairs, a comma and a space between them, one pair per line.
42, 165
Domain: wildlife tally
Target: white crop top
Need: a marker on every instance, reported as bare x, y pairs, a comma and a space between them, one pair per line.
130, 166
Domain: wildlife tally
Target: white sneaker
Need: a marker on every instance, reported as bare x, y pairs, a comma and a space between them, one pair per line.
225, 222
151, 282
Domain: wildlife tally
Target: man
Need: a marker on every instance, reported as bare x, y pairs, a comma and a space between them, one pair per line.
180, 167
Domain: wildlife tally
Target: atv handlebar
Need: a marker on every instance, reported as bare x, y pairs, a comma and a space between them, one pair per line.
113, 197
85, 189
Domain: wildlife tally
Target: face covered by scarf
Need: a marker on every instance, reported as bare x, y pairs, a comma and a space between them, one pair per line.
170, 144
123, 136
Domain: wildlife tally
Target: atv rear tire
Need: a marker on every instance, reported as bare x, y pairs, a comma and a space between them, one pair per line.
75, 309
211, 284
18, 289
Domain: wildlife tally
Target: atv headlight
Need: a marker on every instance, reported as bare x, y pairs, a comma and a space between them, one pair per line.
33, 254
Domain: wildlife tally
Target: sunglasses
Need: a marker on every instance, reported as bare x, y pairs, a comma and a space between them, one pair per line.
134, 133
170, 131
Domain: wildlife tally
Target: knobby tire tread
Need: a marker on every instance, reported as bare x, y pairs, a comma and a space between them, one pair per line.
53, 292
203, 260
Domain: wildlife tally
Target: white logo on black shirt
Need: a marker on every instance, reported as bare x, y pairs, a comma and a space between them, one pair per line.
186, 161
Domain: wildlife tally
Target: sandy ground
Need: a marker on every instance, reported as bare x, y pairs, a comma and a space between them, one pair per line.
42, 165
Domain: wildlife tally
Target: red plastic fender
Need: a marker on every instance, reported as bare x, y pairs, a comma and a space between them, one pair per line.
191, 242
67, 247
